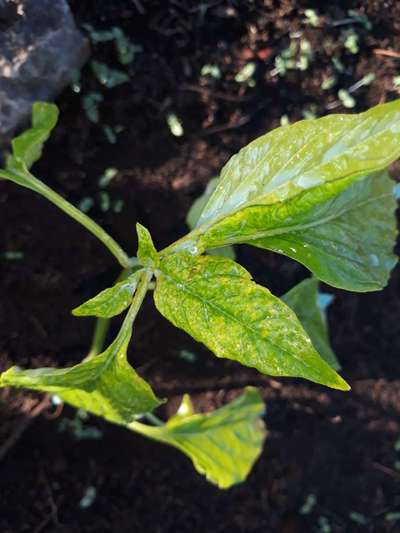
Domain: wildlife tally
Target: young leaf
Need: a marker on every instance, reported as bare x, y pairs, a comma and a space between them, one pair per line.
105, 385
294, 158
147, 254
303, 300
216, 302
27, 147
343, 232
112, 301
224, 444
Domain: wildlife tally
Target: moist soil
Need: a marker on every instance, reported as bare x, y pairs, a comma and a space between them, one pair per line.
336, 448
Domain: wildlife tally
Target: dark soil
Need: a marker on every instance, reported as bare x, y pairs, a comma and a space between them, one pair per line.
338, 447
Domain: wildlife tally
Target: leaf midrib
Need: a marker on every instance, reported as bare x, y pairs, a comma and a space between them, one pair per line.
182, 286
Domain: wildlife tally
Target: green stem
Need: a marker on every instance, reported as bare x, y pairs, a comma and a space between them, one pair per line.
30, 182
140, 294
103, 324
99, 336
153, 419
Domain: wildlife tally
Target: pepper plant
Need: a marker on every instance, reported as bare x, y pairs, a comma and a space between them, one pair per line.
316, 191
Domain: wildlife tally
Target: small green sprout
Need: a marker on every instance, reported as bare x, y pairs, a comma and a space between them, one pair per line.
351, 41
324, 525
346, 98
284, 120
175, 125
328, 83
338, 64
88, 497
396, 83
358, 518
90, 104
85, 204
310, 113
13, 255
110, 134
105, 201
392, 517
211, 70
308, 505
246, 73
187, 355
107, 76
125, 48
311, 18
106, 178
361, 18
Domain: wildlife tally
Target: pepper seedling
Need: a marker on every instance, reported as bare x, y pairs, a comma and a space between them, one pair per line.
316, 191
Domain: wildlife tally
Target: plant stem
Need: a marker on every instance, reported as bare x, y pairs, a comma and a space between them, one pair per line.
99, 336
140, 293
29, 181
153, 419
102, 324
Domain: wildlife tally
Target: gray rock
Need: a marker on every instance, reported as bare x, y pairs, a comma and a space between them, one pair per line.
40, 48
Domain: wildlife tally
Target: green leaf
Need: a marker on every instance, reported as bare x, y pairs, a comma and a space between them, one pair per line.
287, 183
147, 254
343, 232
105, 385
216, 302
303, 300
224, 444
294, 158
112, 301
194, 215
27, 147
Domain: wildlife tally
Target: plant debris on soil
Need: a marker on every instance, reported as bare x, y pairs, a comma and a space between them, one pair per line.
181, 86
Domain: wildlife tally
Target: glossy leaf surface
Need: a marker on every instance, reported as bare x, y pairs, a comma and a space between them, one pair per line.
343, 232
224, 444
294, 158
216, 302
105, 385
111, 301
147, 254
194, 215
303, 300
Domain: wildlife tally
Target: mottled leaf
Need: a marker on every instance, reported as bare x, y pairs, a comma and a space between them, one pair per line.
112, 301
147, 254
224, 444
303, 300
294, 158
216, 302
27, 147
105, 385
343, 232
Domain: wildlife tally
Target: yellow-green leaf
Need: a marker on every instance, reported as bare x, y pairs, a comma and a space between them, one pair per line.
105, 385
111, 301
343, 231
216, 302
147, 254
294, 158
27, 147
224, 444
